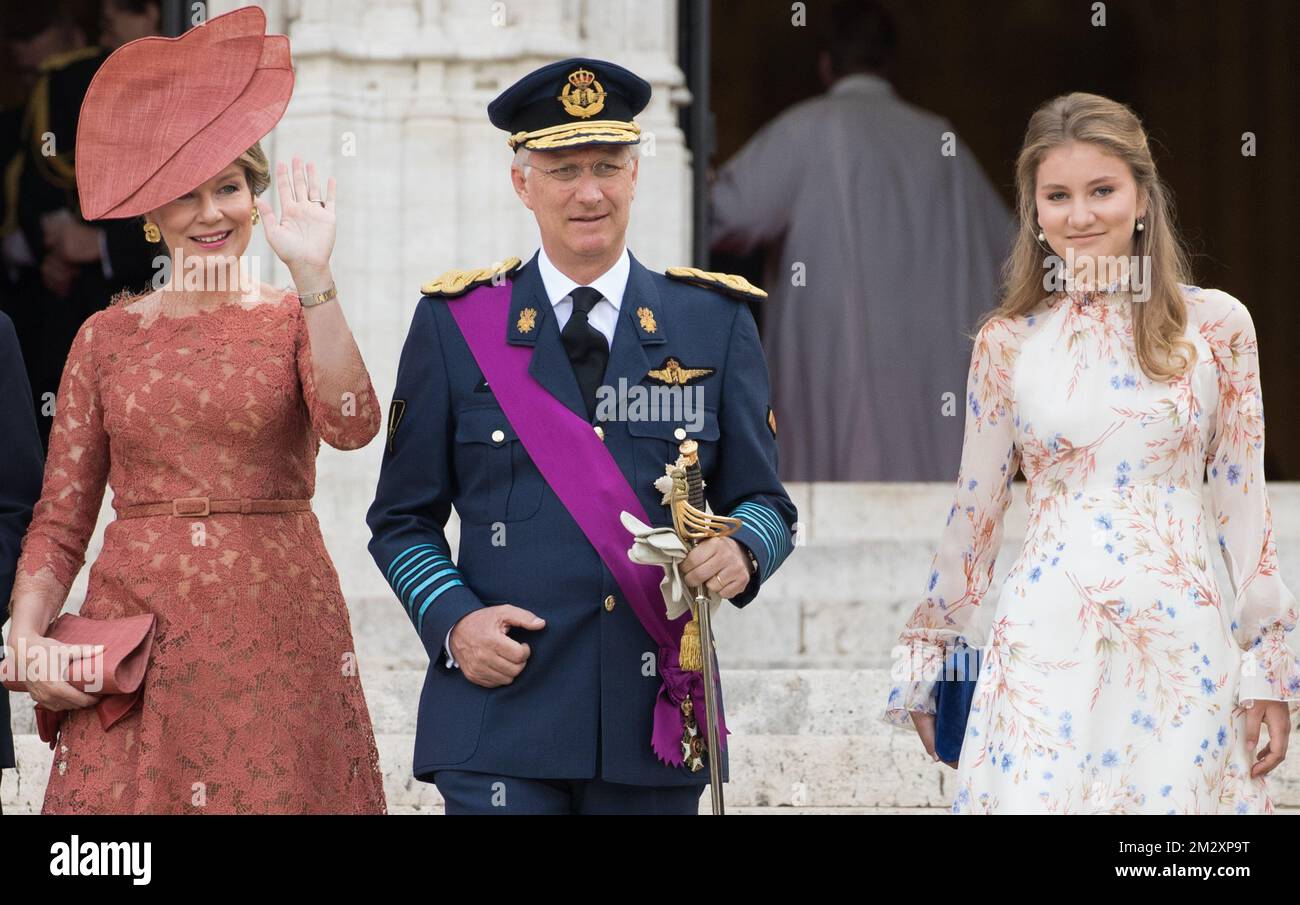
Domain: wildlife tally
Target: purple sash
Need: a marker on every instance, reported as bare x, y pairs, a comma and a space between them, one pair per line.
579, 468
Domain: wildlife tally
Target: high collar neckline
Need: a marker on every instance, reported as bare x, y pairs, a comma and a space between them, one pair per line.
1113, 293
1095, 298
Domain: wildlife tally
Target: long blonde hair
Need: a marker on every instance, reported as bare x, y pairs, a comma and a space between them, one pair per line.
1160, 321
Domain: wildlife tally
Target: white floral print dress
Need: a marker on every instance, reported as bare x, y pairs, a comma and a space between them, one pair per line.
1114, 673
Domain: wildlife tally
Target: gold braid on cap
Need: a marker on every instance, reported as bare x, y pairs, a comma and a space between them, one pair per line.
615, 130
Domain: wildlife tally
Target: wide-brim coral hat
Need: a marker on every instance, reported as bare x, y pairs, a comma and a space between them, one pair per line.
164, 115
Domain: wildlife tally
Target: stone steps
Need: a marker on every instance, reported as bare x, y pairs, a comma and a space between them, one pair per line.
804, 668
759, 702
783, 771
801, 739
839, 607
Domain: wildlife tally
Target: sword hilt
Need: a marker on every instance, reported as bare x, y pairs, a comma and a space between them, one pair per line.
687, 503
690, 460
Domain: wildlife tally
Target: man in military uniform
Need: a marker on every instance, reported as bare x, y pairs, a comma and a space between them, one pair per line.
33, 34
554, 684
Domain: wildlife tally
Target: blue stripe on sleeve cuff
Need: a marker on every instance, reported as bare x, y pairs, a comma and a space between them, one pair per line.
409, 576
764, 522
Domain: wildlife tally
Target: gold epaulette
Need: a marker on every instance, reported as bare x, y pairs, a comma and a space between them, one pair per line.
456, 283
67, 58
726, 283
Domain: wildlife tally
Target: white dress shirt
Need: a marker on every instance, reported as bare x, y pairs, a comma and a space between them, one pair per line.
611, 284
604, 317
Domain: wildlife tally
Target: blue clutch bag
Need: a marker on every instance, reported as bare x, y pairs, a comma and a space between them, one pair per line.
954, 692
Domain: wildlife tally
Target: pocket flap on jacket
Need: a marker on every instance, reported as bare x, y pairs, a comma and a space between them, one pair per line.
707, 425
484, 425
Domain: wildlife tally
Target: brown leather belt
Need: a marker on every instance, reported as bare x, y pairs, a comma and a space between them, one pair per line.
199, 506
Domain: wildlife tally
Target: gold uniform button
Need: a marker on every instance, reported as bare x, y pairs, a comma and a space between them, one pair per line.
600, 432
609, 604
680, 433
498, 436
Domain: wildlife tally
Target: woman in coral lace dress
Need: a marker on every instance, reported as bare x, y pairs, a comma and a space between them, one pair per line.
203, 404
1115, 677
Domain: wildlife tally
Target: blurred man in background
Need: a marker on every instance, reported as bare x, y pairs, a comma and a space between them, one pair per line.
883, 241
60, 269
30, 35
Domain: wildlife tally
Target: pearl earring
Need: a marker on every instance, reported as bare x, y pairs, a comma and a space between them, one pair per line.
1141, 226
1041, 236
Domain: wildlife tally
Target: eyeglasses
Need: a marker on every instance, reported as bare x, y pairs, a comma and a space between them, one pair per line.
601, 169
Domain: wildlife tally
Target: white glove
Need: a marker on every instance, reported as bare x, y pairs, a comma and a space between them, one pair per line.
662, 547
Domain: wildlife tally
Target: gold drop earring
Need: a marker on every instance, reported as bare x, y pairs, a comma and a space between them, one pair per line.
257, 218
151, 232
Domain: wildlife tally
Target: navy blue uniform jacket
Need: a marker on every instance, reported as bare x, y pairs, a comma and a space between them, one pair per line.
582, 706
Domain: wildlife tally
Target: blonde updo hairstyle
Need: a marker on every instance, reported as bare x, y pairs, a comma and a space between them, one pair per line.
257, 172
257, 169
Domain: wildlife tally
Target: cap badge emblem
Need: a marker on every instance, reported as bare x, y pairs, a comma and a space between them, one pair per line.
583, 96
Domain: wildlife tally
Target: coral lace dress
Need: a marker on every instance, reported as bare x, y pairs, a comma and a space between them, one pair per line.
1115, 673
252, 702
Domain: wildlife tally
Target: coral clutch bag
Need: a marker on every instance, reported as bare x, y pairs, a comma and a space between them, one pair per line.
117, 675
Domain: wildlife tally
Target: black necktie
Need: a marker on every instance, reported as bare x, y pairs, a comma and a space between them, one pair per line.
588, 351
